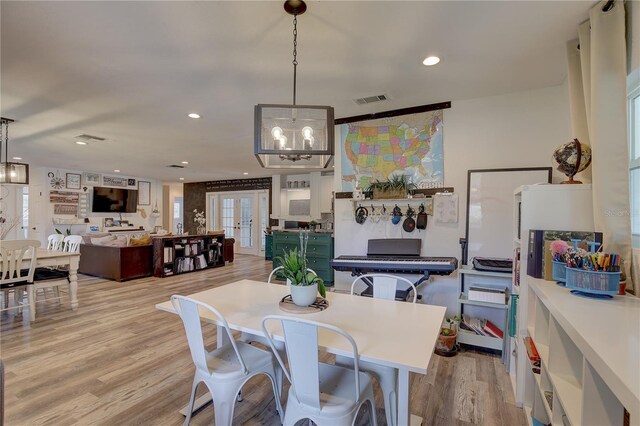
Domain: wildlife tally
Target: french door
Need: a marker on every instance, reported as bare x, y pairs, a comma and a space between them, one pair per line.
240, 216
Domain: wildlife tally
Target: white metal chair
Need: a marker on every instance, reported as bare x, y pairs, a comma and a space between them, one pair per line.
384, 287
226, 369
54, 241
14, 277
275, 270
326, 394
46, 278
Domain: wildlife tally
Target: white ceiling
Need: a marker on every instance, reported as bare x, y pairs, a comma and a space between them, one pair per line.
131, 71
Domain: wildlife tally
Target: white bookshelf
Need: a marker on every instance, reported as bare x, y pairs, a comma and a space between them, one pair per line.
494, 312
546, 207
590, 356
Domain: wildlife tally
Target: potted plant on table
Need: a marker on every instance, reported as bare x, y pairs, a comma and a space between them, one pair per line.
446, 345
304, 284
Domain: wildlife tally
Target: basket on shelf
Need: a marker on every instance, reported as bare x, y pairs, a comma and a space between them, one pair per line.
592, 282
558, 271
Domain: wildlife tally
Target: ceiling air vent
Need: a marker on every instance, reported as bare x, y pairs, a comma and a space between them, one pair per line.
175, 166
90, 138
371, 99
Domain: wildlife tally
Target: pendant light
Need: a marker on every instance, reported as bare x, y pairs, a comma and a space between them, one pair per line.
10, 172
294, 136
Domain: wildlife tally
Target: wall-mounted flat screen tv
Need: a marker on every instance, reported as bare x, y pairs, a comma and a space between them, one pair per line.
114, 200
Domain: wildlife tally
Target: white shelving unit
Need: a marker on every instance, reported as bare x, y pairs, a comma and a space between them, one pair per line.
547, 207
495, 312
590, 352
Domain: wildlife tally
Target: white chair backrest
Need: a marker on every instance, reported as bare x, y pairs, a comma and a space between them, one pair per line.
54, 241
12, 252
301, 341
280, 267
188, 310
72, 243
385, 285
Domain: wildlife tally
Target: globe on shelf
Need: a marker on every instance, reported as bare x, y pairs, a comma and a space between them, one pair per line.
572, 158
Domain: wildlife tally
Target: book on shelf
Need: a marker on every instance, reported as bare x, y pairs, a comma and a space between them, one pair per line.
168, 254
488, 294
532, 352
491, 329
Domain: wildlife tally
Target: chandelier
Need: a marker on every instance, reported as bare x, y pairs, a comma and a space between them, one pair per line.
294, 136
10, 172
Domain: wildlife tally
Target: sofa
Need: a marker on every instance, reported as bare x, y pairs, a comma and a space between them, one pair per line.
118, 258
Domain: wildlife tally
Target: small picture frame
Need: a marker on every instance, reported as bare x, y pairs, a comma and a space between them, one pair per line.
94, 228
73, 180
144, 193
92, 179
131, 182
108, 222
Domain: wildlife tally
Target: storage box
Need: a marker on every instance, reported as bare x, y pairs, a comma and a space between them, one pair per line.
592, 282
559, 271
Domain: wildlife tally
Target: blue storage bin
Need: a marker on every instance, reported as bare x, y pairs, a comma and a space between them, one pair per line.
593, 282
558, 271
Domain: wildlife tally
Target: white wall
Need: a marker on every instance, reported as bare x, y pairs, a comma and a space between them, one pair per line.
38, 179
515, 130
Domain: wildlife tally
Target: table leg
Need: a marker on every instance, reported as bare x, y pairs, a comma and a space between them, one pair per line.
404, 416
222, 338
73, 282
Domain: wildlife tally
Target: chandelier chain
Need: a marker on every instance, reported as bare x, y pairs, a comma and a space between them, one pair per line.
295, 53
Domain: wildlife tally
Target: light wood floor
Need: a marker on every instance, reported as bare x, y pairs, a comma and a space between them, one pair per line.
117, 360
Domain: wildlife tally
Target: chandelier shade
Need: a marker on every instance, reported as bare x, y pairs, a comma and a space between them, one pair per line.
10, 172
294, 136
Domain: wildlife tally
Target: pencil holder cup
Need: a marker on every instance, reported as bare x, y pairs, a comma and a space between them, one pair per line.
592, 282
558, 271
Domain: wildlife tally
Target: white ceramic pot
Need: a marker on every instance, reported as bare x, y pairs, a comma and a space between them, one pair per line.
304, 295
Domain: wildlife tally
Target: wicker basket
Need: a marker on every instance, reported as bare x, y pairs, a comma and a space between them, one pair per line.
386, 194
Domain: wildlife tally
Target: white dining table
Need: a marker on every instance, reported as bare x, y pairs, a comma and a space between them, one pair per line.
390, 333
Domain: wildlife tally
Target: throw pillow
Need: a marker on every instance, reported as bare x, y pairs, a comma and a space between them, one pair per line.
102, 241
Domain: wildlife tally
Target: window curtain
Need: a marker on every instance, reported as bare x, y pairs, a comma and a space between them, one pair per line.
597, 85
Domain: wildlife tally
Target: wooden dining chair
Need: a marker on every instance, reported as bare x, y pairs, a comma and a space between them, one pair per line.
54, 278
54, 241
226, 369
14, 276
323, 393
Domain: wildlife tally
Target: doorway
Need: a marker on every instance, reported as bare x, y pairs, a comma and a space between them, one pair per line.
242, 215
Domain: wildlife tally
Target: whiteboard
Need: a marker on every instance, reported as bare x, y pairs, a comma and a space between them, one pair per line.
490, 208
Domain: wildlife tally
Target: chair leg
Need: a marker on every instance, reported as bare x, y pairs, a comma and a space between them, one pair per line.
277, 390
56, 291
192, 400
32, 302
223, 405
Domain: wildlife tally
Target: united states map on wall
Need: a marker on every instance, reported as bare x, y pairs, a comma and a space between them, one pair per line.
376, 149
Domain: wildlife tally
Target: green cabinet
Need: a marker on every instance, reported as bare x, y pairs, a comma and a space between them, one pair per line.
268, 247
319, 251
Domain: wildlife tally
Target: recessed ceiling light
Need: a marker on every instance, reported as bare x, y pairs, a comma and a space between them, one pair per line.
181, 178
17, 158
81, 142
245, 173
116, 171
431, 60
193, 115
184, 162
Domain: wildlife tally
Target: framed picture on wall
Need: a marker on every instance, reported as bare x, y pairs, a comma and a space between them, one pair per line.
92, 179
73, 180
144, 193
